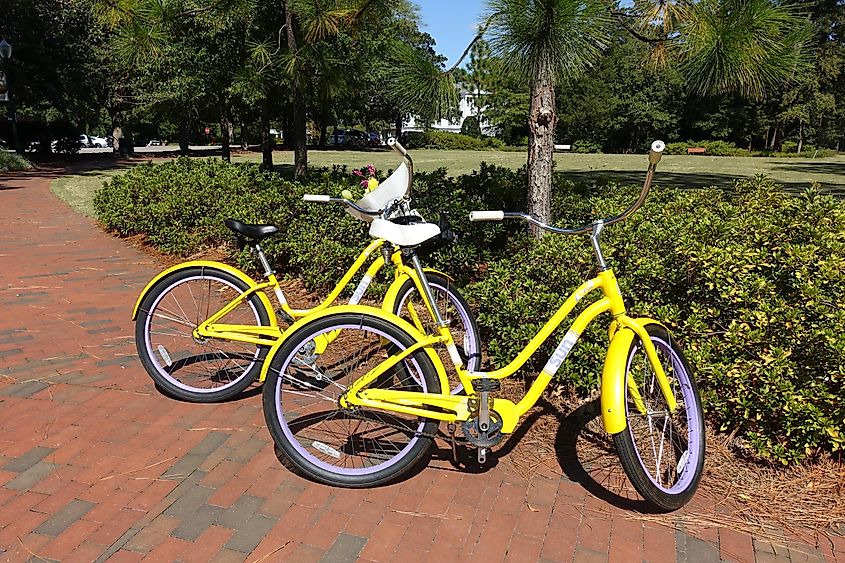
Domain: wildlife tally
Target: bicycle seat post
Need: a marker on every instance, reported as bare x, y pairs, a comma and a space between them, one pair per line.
438, 318
268, 271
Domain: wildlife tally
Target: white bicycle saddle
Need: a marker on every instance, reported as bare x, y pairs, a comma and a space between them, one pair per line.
403, 235
388, 191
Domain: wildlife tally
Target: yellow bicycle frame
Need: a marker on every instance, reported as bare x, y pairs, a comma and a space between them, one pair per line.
452, 408
273, 334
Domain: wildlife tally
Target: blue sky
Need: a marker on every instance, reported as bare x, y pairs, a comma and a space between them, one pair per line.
451, 23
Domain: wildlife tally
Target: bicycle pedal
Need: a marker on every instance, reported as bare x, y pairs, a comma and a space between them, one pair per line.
486, 385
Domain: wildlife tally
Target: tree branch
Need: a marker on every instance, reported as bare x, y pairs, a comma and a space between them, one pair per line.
620, 16
481, 31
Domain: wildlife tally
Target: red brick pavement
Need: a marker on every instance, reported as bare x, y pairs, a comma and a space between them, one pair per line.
95, 464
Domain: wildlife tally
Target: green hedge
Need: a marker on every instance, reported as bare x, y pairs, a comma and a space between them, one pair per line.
724, 148
749, 280
444, 140
751, 284
11, 162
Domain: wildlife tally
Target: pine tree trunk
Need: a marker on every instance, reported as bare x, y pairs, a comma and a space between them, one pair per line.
184, 139
225, 150
324, 129
244, 142
300, 139
541, 143
266, 139
398, 126
800, 137
127, 144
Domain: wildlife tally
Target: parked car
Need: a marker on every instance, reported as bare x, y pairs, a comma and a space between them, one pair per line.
374, 139
98, 142
154, 143
349, 138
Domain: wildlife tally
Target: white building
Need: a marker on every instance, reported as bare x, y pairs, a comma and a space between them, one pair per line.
466, 108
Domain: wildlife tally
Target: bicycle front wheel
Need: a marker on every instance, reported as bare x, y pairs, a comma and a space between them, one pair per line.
348, 447
188, 368
454, 308
662, 452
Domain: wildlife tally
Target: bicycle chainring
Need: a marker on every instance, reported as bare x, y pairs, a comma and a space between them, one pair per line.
483, 439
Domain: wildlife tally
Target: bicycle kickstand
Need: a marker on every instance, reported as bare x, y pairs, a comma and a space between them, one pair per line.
452, 427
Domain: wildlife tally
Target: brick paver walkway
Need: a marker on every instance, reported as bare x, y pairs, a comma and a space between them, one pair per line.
95, 464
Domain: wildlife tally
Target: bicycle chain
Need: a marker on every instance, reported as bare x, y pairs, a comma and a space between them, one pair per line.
355, 413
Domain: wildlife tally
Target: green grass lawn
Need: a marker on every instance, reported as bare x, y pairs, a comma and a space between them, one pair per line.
795, 174
78, 189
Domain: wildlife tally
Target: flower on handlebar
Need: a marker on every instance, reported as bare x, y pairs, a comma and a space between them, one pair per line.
369, 177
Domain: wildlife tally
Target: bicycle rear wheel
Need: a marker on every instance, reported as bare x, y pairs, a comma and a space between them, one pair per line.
454, 309
357, 447
198, 370
662, 452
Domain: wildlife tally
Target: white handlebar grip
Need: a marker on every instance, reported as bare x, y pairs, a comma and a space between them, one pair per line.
486, 215
320, 198
658, 146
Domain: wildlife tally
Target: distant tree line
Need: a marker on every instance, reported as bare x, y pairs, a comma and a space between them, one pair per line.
171, 69
603, 74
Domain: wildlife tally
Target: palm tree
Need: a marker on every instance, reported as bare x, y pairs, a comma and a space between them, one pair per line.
546, 41
721, 46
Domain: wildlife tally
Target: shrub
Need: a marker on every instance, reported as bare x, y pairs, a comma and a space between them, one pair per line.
69, 144
585, 146
712, 148
470, 127
451, 141
748, 280
11, 162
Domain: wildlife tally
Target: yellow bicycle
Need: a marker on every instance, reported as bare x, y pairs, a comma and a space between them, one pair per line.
203, 328
382, 390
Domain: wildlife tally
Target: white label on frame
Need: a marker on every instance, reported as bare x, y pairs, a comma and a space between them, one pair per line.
360, 290
561, 352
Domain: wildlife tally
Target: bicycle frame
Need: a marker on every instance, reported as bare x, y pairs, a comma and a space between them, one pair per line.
451, 408
272, 334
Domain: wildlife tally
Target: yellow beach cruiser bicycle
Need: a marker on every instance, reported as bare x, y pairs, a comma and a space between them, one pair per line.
203, 328
381, 390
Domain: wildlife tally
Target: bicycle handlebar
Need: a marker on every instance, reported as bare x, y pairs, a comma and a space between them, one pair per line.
486, 215
654, 156
397, 146
393, 143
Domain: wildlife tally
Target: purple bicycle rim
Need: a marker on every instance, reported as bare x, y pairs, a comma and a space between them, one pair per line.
693, 425
327, 466
158, 366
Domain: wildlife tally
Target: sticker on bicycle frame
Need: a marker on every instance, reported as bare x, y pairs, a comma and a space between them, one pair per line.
165, 356
280, 295
579, 295
561, 352
359, 291
326, 449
